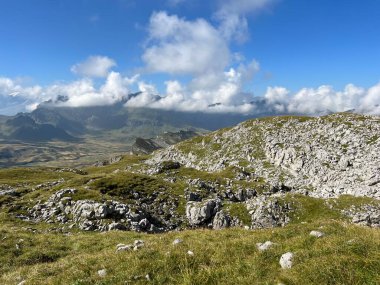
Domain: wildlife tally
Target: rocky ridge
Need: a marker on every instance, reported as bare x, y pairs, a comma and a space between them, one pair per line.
324, 156
249, 175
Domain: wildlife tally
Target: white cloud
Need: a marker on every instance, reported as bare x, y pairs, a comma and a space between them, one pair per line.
324, 99
78, 93
94, 66
178, 46
232, 16
226, 90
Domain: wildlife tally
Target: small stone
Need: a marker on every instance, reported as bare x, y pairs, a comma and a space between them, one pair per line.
147, 277
123, 247
190, 253
286, 260
102, 272
317, 234
264, 246
177, 241
138, 242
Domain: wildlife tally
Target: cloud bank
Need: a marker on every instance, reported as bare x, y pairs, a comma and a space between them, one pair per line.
116, 88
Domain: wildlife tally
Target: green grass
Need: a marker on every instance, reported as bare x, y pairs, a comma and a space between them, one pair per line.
240, 211
346, 255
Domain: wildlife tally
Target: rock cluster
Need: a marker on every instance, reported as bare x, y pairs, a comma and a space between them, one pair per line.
90, 215
268, 212
366, 215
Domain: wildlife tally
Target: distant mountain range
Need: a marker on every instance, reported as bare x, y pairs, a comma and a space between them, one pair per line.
57, 135
49, 122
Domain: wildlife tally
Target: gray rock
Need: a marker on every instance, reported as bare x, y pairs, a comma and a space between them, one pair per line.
116, 227
177, 241
123, 247
286, 260
221, 221
317, 234
366, 215
102, 273
199, 213
268, 212
264, 246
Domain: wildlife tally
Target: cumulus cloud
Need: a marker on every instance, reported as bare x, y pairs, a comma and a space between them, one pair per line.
94, 66
178, 46
196, 48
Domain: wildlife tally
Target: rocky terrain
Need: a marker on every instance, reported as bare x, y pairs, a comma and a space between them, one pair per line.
147, 146
280, 172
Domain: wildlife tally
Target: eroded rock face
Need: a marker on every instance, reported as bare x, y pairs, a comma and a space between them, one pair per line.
268, 212
200, 213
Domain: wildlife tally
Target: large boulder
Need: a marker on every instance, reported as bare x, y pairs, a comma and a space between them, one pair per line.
221, 221
199, 213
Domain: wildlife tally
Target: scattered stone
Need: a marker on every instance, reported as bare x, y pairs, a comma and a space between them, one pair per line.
177, 241
190, 253
102, 273
317, 234
138, 244
123, 247
286, 260
264, 246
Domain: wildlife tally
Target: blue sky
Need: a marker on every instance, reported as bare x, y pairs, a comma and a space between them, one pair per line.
295, 44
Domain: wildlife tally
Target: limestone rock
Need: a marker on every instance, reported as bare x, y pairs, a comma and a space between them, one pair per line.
268, 212
317, 234
264, 246
199, 213
286, 260
221, 221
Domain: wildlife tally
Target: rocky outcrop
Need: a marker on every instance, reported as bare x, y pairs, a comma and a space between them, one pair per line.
366, 215
91, 215
147, 146
7, 190
323, 157
110, 161
268, 212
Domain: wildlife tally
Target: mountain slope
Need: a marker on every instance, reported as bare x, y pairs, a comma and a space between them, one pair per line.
325, 156
50, 218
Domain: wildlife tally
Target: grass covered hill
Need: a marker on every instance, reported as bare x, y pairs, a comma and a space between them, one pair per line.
223, 208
